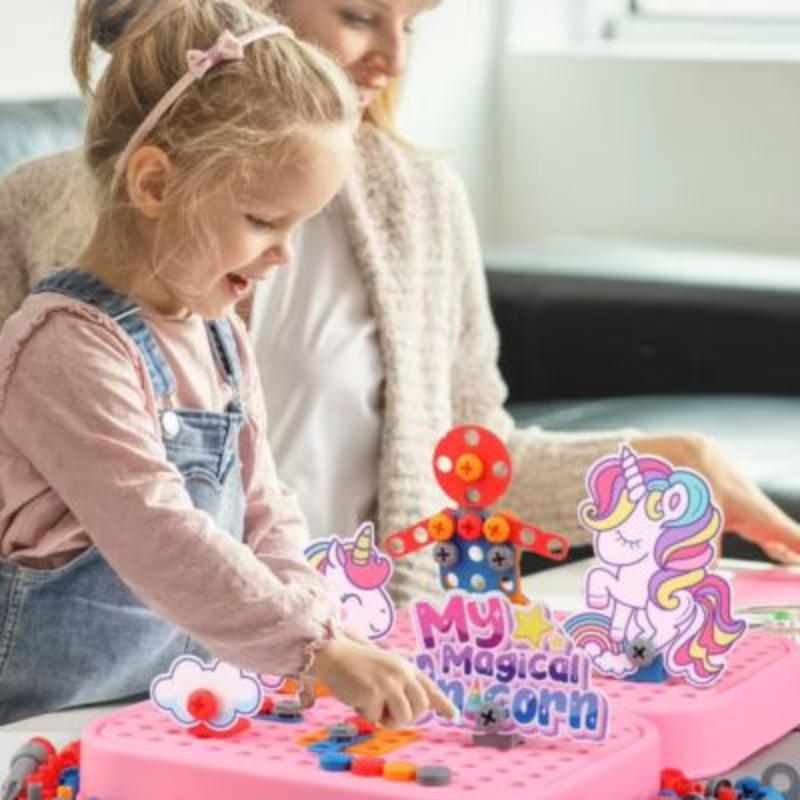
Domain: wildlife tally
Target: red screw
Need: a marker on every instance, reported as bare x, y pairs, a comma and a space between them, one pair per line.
203, 705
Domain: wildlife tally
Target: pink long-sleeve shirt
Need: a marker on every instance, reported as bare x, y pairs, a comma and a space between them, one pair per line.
82, 464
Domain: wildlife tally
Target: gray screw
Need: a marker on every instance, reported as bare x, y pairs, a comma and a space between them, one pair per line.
446, 554
640, 651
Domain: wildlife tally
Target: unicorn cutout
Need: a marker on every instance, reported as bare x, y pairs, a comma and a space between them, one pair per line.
654, 530
358, 573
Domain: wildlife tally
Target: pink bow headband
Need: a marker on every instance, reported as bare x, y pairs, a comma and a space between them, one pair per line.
228, 47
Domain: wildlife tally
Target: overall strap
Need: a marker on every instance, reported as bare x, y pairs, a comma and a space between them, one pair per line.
80, 285
223, 344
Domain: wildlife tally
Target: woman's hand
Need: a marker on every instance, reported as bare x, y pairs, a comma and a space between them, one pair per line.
379, 685
747, 510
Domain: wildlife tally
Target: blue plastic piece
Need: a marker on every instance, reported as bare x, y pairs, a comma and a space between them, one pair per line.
770, 793
475, 575
335, 762
332, 746
655, 673
71, 777
748, 786
285, 720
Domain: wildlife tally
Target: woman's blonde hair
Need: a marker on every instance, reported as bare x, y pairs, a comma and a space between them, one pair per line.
239, 117
382, 111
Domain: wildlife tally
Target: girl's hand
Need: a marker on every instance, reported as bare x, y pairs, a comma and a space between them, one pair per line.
747, 510
379, 685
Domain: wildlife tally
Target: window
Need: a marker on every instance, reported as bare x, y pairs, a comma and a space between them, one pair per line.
769, 10
738, 22
547, 24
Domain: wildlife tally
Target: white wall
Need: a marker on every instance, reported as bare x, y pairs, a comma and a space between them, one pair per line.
34, 58
670, 149
449, 100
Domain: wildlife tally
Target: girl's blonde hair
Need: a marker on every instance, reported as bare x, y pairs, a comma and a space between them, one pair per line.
241, 116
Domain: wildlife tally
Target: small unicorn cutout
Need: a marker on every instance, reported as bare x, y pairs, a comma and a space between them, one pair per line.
358, 573
654, 529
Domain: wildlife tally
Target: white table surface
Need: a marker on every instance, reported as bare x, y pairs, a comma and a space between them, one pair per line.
561, 588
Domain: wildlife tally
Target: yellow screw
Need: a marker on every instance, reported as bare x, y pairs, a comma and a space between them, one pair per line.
441, 528
496, 529
469, 468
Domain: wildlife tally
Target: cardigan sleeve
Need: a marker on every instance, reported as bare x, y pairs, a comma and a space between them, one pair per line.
47, 214
549, 468
14, 231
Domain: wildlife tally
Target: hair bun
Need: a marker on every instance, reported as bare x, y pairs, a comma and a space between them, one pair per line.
109, 18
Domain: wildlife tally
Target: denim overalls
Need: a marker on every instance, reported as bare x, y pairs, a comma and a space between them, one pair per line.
76, 634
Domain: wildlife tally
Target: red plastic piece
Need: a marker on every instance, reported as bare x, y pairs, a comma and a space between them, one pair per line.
684, 786
71, 755
670, 776
535, 540
416, 537
368, 767
727, 793
364, 727
473, 445
204, 732
46, 744
203, 705
267, 705
470, 527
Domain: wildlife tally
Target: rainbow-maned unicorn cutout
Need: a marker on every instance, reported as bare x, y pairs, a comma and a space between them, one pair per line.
654, 529
358, 573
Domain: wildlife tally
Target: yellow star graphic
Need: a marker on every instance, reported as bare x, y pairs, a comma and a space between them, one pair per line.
531, 626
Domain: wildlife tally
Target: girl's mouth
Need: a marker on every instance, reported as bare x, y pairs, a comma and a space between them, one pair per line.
238, 284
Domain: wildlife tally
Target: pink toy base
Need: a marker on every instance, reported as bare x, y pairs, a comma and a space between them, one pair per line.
705, 732
774, 587
139, 753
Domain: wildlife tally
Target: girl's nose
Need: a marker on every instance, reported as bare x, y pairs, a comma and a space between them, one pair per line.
279, 253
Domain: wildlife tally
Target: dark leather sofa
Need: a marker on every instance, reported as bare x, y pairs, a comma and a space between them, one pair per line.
606, 352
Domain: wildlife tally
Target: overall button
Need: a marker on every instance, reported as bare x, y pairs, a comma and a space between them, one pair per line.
170, 424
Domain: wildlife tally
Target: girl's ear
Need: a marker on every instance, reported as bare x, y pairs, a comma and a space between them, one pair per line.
674, 503
148, 175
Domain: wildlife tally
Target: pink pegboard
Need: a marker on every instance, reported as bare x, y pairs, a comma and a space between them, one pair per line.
139, 753
706, 732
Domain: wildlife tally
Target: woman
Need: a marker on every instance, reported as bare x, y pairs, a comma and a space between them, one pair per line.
396, 343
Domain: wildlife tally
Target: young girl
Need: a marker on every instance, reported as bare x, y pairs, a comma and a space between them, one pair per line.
140, 513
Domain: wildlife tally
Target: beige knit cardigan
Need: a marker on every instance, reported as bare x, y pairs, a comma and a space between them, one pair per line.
416, 247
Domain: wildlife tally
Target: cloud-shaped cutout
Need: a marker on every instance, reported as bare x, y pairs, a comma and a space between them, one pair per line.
238, 693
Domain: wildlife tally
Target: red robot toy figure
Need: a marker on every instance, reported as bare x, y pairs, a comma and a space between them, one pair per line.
476, 550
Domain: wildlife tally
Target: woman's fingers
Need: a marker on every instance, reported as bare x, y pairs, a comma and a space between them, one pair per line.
747, 510
781, 553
